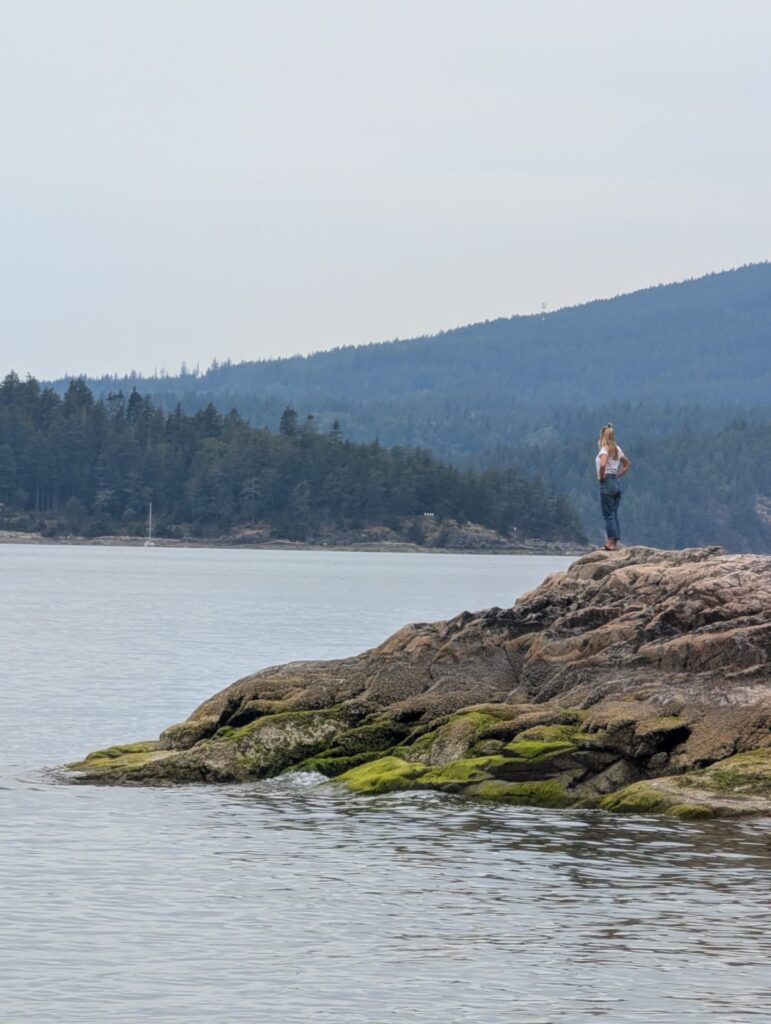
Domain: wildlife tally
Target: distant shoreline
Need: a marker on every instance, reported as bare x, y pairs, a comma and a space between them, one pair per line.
556, 548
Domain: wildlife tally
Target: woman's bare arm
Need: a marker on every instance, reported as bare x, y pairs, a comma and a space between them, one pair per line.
625, 464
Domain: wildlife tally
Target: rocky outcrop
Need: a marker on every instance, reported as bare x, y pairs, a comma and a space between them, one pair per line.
637, 680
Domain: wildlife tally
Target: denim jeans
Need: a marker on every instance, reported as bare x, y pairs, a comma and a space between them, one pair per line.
610, 498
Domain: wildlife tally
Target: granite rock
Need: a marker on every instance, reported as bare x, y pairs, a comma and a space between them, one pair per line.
631, 672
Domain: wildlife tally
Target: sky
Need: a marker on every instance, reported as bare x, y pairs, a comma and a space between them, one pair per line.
184, 180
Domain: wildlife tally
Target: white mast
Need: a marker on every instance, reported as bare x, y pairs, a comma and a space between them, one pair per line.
149, 541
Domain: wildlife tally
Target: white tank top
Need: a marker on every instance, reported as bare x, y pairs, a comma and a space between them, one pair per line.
611, 466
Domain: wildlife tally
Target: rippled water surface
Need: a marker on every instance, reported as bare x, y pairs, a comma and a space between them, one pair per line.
289, 900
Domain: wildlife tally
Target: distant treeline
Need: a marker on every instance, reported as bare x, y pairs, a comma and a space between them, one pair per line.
683, 370
72, 463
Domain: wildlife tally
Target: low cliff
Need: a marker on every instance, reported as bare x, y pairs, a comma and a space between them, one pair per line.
638, 681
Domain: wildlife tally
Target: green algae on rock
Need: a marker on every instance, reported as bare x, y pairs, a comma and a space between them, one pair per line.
384, 775
124, 759
639, 681
736, 785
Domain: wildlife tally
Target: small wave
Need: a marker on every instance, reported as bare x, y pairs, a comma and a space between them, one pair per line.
295, 780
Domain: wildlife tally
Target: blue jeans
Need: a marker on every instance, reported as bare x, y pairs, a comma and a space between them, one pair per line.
610, 499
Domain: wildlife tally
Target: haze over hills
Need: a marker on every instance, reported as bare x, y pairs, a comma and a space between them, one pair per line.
683, 370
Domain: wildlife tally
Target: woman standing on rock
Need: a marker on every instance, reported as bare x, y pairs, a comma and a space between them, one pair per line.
611, 465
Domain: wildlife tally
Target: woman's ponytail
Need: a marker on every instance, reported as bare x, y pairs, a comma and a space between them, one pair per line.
608, 440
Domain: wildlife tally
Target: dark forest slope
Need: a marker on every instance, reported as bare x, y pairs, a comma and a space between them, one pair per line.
699, 342
73, 465
678, 368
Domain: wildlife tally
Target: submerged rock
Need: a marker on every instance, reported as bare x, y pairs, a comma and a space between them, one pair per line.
635, 681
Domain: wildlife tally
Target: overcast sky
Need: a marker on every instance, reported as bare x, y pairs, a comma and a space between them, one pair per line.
190, 179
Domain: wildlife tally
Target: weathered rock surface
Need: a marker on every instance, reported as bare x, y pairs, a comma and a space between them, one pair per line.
637, 681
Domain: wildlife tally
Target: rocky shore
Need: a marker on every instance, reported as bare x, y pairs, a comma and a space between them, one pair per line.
478, 543
635, 681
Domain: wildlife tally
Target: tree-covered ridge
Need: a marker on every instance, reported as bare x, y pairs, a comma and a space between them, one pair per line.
696, 342
683, 370
76, 464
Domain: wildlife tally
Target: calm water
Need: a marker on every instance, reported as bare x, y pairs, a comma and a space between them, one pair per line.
289, 901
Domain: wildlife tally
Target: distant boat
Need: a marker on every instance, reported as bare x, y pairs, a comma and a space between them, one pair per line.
149, 542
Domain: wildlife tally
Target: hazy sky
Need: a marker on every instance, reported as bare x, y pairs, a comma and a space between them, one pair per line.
189, 179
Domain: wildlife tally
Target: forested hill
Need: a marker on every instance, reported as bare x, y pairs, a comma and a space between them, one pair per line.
74, 465
700, 342
678, 368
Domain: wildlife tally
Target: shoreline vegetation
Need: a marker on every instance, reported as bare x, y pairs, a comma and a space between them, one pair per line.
74, 466
636, 681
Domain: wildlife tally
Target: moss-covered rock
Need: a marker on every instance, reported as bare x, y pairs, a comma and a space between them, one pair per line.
737, 785
537, 750
372, 736
641, 798
639, 679
646, 798
183, 735
456, 775
269, 745
691, 812
553, 733
550, 793
417, 748
451, 738
383, 776
331, 765
120, 753
123, 759
747, 774
353, 747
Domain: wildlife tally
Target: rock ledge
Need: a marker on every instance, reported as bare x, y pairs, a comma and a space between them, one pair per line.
636, 681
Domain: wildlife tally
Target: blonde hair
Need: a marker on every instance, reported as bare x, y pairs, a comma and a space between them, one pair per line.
607, 440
